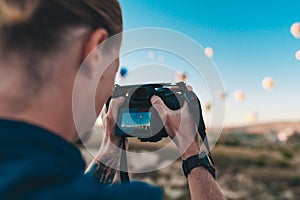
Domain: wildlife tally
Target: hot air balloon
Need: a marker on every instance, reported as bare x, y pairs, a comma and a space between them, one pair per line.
297, 55
252, 117
295, 30
239, 95
151, 55
209, 52
123, 72
268, 83
208, 106
180, 77
161, 58
222, 94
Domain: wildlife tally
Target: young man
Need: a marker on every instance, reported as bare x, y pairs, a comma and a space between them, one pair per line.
42, 45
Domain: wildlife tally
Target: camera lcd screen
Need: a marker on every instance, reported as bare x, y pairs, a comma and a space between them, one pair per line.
136, 120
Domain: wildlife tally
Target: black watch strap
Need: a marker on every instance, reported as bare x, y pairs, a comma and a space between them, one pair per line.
200, 160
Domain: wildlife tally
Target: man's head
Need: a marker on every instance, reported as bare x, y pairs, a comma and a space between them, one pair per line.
42, 45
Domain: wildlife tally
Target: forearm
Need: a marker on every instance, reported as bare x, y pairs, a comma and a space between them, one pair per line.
103, 167
203, 186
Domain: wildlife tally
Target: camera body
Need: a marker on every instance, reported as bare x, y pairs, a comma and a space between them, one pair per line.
137, 118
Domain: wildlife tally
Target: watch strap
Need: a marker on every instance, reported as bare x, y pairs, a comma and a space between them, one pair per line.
200, 160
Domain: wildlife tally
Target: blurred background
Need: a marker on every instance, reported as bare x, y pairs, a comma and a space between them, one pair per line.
256, 47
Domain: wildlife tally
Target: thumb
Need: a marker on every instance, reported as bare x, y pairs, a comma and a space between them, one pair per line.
159, 106
114, 106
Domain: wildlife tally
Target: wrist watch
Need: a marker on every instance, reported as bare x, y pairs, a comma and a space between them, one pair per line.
200, 160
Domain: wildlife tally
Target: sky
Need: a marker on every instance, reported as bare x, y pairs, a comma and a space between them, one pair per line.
251, 40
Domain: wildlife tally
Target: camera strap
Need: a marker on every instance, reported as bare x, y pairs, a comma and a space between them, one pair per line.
123, 165
195, 107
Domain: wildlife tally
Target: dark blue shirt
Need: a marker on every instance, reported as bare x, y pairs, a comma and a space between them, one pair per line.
37, 164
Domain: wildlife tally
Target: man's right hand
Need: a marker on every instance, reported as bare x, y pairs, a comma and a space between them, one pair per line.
180, 126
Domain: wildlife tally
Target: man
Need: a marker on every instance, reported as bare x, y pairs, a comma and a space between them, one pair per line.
42, 45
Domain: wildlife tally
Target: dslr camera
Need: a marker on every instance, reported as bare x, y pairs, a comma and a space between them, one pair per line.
137, 118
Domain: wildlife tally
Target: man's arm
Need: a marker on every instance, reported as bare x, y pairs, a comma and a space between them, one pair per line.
201, 183
103, 167
182, 129
203, 186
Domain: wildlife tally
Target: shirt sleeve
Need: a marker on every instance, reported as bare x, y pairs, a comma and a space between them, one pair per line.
136, 190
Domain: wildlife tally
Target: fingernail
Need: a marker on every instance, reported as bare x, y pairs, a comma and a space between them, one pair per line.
154, 99
121, 98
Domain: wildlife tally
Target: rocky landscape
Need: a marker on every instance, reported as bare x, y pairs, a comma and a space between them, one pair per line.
252, 162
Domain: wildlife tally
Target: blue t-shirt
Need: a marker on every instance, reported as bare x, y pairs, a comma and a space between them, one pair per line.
37, 164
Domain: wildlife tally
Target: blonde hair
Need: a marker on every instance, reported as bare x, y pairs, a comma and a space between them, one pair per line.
16, 12
36, 25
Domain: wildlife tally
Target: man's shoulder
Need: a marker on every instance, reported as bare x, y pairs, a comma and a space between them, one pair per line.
133, 190
137, 190
88, 188
40, 165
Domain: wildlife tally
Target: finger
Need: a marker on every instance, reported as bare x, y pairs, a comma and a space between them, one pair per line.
114, 106
159, 106
126, 144
187, 112
177, 89
103, 112
185, 106
104, 109
190, 88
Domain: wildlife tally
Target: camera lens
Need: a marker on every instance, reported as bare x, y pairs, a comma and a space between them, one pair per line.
141, 93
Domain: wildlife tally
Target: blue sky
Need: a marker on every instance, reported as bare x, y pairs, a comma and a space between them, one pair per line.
251, 40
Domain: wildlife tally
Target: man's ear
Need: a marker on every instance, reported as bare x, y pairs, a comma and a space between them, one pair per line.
95, 38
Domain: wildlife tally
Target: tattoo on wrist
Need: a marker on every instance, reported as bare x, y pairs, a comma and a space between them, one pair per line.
103, 171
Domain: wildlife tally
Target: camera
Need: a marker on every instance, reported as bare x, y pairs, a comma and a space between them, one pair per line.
137, 118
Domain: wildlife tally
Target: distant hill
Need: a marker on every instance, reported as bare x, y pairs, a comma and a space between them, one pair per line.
274, 127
